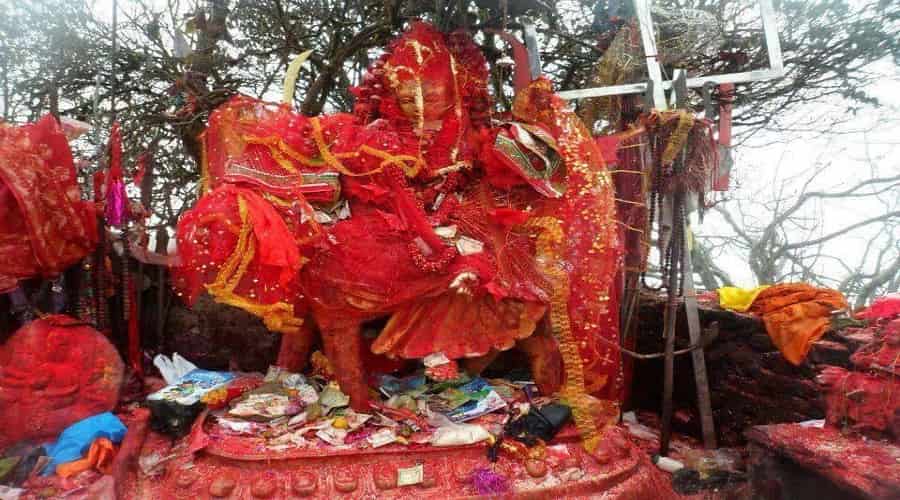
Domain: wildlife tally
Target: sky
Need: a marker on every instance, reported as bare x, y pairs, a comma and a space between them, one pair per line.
866, 145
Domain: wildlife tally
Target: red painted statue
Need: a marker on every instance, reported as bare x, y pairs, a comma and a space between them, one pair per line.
54, 372
473, 232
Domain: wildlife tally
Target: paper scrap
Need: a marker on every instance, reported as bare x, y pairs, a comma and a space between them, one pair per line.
447, 232
332, 436
382, 437
411, 475
435, 359
469, 246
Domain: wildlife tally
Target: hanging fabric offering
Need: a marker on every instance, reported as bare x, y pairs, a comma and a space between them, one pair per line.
46, 226
679, 132
116, 199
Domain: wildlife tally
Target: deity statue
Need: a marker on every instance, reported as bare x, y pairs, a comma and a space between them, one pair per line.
471, 232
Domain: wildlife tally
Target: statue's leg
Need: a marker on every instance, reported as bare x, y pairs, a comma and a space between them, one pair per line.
343, 346
544, 357
295, 348
476, 365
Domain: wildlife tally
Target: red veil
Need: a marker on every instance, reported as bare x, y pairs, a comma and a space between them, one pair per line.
45, 226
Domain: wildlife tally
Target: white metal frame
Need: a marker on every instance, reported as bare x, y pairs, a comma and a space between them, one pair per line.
642, 10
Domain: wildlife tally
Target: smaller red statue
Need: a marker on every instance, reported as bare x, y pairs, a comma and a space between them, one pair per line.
54, 372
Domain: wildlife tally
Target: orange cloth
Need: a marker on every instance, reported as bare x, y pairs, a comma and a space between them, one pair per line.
796, 315
100, 457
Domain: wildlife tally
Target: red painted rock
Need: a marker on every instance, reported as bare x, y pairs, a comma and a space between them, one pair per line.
265, 486
304, 484
793, 461
345, 481
54, 372
385, 477
866, 402
222, 486
536, 468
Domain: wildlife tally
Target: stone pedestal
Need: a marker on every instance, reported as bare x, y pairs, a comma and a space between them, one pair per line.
244, 468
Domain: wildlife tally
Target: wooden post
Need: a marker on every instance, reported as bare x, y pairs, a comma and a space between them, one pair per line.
669, 335
681, 238
162, 242
698, 358
690, 302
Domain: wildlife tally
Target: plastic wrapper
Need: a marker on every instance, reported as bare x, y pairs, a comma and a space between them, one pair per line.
449, 433
174, 407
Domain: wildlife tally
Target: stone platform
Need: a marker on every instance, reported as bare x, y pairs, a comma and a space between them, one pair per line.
790, 461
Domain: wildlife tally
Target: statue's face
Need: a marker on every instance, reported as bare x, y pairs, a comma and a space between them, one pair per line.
431, 101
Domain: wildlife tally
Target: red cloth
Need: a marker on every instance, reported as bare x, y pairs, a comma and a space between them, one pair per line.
865, 402
882, 307
46, 227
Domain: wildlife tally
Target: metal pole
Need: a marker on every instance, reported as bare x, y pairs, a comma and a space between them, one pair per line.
113, 55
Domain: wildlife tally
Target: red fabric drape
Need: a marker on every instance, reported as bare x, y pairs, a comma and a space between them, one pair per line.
45, 226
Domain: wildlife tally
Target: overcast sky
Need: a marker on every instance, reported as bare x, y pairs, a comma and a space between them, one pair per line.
867, 145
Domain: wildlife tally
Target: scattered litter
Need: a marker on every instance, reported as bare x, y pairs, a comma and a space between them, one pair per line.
174, 407
332, 397
332, 436
469, 246
449, 433
191, 387
10, 493
667, 464
153, 464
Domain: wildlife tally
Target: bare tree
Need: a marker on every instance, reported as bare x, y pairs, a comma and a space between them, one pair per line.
786, 236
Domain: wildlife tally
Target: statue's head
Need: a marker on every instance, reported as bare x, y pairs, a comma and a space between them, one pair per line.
421, 74
425, 76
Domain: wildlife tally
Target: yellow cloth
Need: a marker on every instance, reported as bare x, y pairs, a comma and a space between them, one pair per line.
738, 299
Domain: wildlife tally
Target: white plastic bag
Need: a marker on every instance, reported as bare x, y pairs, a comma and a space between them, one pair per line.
173, 369
452, 434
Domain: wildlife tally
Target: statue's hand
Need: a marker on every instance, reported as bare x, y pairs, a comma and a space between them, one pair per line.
464, 282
